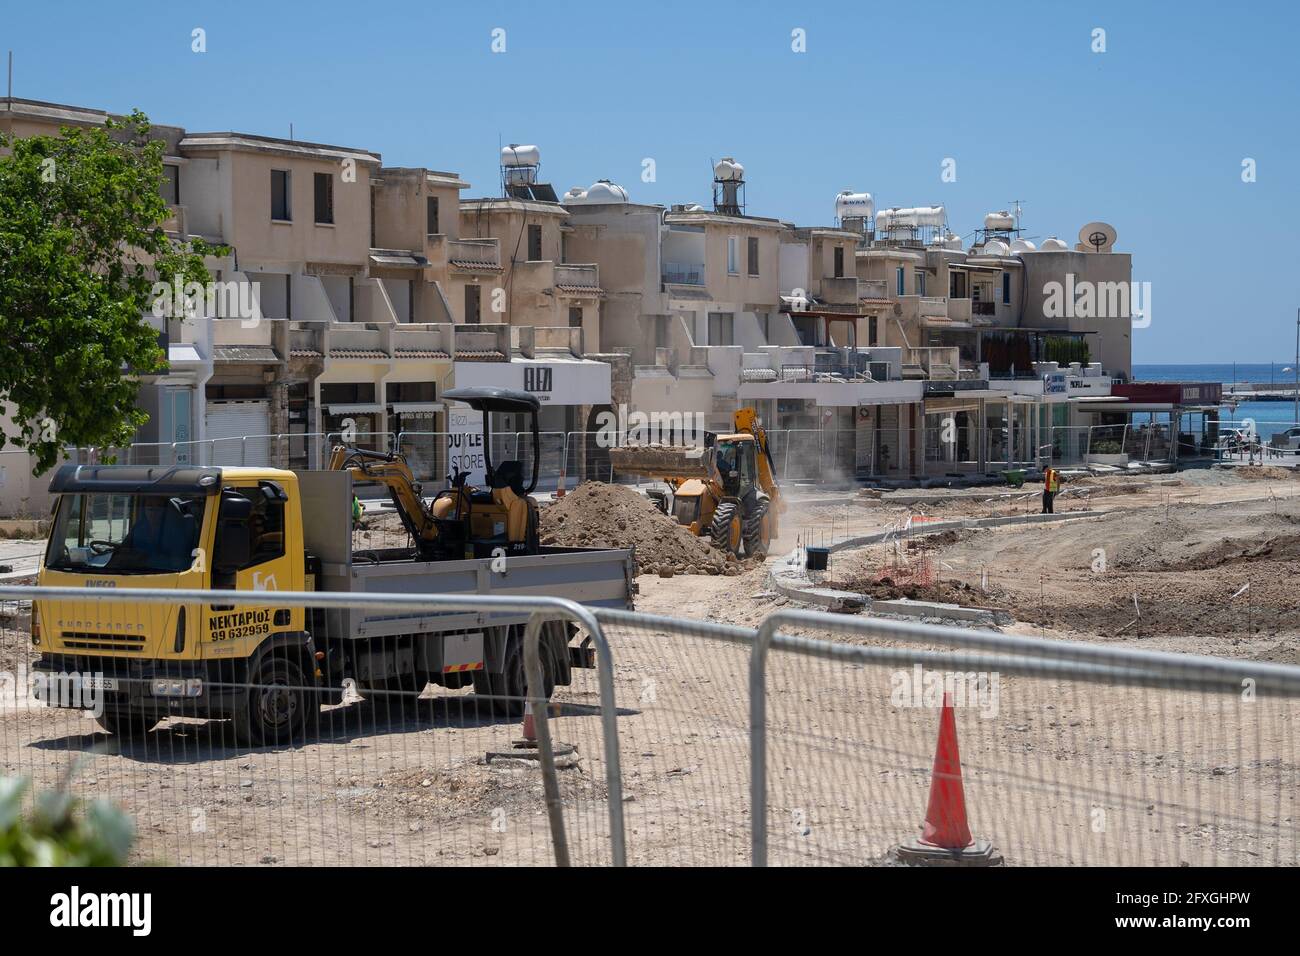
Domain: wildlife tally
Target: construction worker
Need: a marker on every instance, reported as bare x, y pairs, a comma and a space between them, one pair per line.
356, 512
1051, 485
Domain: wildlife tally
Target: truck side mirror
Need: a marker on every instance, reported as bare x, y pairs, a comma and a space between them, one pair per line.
233, 545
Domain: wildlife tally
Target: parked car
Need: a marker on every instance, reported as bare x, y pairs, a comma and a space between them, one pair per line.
1287, 440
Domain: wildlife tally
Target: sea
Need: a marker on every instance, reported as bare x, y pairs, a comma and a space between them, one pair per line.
1268, 416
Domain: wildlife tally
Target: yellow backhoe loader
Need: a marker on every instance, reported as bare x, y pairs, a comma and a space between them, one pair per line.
462, 521
726, 490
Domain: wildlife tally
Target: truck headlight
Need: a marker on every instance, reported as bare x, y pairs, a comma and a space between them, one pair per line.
177, 687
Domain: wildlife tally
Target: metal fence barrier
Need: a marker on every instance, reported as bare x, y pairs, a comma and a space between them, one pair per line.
807, 739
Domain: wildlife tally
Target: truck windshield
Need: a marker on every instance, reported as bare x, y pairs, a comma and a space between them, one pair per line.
125, 534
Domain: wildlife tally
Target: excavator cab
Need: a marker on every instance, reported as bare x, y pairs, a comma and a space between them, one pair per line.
503, 515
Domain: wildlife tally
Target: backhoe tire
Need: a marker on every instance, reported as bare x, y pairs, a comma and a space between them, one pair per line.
758, 532
725, 529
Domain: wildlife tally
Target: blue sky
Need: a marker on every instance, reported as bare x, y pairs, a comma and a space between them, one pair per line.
1149, 136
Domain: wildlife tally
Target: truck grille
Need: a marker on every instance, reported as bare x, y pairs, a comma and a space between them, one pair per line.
91, 641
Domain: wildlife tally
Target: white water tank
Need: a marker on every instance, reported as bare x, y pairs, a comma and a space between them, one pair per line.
1052, 244
575, 196
728, 170
1019, 246
994, 247
515, 155
912, 217
604, 191
851, 205
1000, 221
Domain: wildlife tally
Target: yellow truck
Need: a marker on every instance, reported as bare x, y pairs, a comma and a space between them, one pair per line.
270, 668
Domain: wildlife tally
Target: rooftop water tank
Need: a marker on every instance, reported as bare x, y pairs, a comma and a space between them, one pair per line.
1052, 244
1001, 221
728, 170
994, 247
515, 155
1019, 246
605, 191
575, 196
851, 205
912, 217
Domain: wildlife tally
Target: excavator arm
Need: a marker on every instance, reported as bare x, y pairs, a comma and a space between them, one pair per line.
391, 471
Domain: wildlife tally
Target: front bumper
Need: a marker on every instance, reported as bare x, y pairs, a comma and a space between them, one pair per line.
154, 688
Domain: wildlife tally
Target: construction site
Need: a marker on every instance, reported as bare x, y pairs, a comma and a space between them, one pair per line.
435, 768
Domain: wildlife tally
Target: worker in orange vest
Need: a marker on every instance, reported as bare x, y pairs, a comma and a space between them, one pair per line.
1051, 485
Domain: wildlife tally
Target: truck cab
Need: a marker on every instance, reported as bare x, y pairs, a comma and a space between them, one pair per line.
183, 528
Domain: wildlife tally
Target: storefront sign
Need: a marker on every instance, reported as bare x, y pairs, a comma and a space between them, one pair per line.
465, 443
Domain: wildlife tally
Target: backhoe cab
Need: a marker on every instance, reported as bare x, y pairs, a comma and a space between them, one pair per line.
462, 521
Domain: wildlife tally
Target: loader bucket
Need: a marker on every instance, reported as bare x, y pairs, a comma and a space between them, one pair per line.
660, 461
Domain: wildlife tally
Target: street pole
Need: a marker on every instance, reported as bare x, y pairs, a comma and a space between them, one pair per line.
1295, 412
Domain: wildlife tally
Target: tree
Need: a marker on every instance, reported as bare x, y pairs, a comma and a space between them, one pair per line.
81, 244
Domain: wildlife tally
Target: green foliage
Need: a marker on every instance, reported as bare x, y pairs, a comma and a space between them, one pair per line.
56, 833
1064, 349
81, 243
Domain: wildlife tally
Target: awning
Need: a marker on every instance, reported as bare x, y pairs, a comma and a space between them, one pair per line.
177, 354
413, 407
244, 353
365, 408
397, 261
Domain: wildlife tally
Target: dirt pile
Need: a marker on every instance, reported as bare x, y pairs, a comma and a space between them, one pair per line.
597, 515
1266, 473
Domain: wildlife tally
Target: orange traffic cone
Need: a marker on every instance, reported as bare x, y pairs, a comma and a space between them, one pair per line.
530, 726
559, 488
945, 837
945, 817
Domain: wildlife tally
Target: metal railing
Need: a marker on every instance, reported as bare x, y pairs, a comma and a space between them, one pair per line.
805, 740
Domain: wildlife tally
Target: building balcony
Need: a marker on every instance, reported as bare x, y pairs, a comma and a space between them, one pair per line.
840, 291
873, 290
937, 363
959, 310
354, 340
174, 224
474, 255
425, 341
682, 273
577, 279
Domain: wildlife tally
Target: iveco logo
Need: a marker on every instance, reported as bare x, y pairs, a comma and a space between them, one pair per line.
101, 584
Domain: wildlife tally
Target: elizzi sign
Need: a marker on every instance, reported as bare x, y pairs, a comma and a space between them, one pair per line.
538, 378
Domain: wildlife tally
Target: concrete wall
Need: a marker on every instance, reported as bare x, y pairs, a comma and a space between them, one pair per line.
1112, 345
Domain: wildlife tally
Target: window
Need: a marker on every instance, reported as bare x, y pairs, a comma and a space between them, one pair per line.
873, 332
104, 533
575, 316
472, 302
431, 215
721, 328
171, 185
324, 183
918, 280
264, 526
752, 250
411, 392
534, 243
347, 393
280, 195
839, 262
902, 290
733, 256
1006, 288
957, 284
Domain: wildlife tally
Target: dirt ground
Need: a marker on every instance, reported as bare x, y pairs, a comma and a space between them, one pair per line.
1057, 772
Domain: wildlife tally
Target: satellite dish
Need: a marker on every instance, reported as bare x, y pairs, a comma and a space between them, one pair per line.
1097, 237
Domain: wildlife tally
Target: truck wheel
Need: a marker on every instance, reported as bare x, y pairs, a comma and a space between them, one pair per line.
121, 723
758, 532
509, 688
281, 707
725, 528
